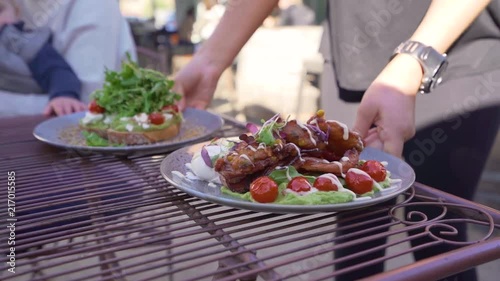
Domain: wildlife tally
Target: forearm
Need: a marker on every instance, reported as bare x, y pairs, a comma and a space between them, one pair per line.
441, 26
446, 20
239, 22
64, 83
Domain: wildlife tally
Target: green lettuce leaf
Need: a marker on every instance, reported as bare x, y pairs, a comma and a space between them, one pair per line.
282, 175
267, 133
94, 139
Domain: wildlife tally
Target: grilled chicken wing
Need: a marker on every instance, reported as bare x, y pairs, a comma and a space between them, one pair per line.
248, 161
319, 146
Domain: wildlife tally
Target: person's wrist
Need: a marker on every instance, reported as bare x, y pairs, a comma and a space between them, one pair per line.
211, 62
404, 73
64, 94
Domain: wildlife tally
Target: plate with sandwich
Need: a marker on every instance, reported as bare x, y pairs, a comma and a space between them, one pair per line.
134, 113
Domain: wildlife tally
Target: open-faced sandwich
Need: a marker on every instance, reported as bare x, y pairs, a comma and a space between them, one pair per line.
289, 162
135, 106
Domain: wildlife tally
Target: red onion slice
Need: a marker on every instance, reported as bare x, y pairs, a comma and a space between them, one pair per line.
206, 157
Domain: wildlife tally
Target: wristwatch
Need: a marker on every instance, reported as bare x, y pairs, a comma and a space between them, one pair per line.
433, 63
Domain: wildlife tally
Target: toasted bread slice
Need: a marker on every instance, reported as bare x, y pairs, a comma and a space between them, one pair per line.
147, 137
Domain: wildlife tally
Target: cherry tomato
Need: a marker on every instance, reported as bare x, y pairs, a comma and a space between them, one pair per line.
171, 108
95, 108
375, 169
325, 184
264, 190
156, 118
359, 183
299, 184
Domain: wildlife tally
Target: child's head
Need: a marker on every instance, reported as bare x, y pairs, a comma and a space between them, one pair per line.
9, 12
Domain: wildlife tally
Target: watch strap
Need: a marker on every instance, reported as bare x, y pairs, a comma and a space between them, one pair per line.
429, 59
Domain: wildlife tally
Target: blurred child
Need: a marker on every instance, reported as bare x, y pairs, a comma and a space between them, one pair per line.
30, 64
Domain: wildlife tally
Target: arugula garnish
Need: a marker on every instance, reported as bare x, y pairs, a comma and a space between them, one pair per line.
134, 90
266, 134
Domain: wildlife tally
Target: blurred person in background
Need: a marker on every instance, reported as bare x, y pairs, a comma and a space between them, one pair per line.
459, 119
186, 27
29, 64
91, 35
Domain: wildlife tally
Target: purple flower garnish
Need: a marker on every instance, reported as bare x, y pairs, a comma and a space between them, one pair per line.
206, 157
322, 135
252, 128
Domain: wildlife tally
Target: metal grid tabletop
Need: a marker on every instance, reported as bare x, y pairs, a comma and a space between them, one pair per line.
97, 217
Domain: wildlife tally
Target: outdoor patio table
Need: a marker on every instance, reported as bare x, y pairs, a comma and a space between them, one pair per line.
77, 216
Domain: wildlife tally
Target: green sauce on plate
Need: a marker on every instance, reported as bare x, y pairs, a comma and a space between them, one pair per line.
315, 198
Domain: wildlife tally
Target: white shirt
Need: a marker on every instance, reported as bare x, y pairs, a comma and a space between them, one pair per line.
91, 35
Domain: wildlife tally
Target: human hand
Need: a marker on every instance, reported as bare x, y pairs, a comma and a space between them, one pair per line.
389, 104
63, 105
197, 82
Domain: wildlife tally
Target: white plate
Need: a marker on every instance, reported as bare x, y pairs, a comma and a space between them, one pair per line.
176, 162
198, 125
